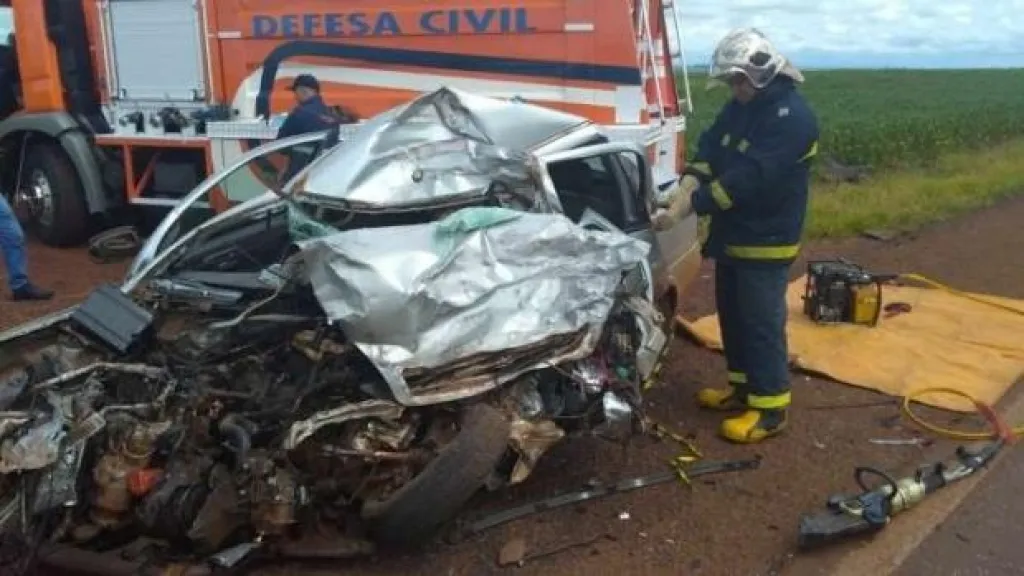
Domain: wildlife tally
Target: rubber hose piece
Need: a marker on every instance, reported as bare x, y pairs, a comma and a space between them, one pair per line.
115, 244
861, 471
240, 439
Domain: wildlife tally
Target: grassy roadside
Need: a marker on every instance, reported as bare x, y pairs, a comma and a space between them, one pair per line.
905, 199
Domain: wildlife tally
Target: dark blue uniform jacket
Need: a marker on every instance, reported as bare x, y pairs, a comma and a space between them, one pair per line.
754, 164
310, 116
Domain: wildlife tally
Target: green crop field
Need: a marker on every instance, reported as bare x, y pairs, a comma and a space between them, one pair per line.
897, 118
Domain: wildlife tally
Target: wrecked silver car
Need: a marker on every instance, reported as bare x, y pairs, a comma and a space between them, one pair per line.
340, 364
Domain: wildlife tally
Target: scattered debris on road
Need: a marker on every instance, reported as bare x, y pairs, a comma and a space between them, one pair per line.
923, 442
565, 499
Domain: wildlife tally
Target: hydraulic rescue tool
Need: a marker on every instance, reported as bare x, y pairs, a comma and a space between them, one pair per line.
838, 291
870, 511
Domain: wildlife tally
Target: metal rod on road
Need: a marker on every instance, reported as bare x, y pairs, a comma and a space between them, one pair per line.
627, 485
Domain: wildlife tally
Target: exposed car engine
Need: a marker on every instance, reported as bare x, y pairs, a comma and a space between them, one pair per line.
315, 376
272, 433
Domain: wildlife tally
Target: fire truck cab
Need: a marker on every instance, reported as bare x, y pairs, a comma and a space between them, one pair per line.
107, 105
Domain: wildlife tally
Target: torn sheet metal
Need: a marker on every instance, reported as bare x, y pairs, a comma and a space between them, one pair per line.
12, 421
653, 338
11, 510
443, 145
59, 485
531, 440
38, 447
618, 417
412, 298
303, 429
11, 388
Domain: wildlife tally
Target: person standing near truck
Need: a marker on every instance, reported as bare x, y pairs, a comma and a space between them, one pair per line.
310, 114
750, 177
12, 244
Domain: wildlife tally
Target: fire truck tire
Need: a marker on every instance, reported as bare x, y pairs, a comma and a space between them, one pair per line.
55, 198
416, 511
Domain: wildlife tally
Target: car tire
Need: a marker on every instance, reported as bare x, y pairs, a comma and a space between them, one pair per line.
65, 221
417, 510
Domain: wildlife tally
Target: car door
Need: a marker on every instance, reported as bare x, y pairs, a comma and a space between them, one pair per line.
247, 178
680, 247
671, 250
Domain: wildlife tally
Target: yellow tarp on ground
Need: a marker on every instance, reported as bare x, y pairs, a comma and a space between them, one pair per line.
947, 340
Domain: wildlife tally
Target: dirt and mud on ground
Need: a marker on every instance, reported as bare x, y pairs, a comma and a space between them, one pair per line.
738, 524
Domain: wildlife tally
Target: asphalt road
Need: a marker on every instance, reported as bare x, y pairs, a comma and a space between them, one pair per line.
985, 535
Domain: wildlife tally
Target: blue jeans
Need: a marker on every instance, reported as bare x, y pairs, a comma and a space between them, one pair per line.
12, 244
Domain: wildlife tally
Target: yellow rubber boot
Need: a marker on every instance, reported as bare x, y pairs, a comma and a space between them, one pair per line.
754, 425
724, 399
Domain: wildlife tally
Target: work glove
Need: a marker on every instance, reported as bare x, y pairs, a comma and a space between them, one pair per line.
686, 187
680, 205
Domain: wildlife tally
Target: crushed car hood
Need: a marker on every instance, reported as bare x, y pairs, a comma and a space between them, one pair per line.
483, 281
442, 145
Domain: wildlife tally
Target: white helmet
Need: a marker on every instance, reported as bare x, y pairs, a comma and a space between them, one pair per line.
748, 52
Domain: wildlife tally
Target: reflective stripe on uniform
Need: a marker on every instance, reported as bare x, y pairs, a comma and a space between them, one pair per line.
737, 378
720, 196
783, 252
743, 145
810, 153
703, 229
701, 168
769, 402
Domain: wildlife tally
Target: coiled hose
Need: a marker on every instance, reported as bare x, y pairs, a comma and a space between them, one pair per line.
1000, 428
115, 244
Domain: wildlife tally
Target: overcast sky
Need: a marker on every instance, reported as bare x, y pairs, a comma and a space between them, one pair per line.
932, 33
856, 33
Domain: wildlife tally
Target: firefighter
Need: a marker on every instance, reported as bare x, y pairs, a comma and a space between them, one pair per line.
749, 184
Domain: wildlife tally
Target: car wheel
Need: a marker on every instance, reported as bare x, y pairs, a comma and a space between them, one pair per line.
418, 509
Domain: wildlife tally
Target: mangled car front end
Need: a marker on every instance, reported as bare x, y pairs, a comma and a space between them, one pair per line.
350, 380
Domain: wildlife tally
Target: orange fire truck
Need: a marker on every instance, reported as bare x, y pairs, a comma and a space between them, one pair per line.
112, 104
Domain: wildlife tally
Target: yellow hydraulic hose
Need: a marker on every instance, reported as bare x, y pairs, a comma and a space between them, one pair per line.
929, 282
999, 428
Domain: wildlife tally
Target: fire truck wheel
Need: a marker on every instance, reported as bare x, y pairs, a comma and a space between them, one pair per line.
51, 195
